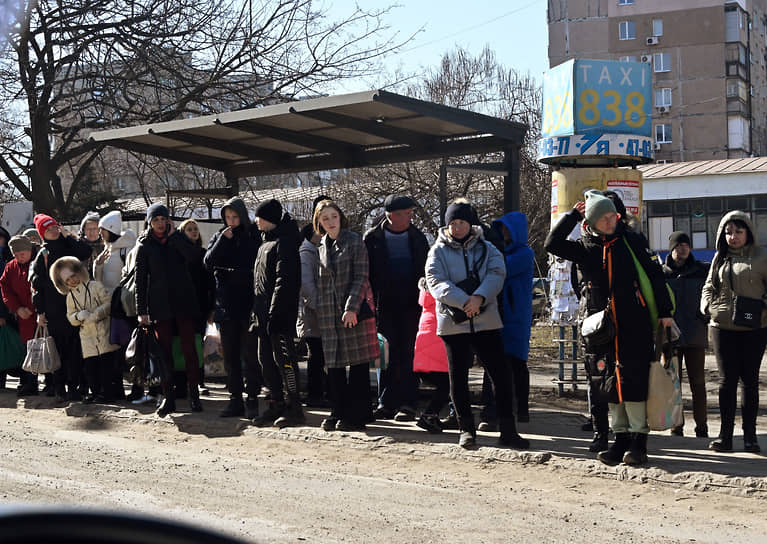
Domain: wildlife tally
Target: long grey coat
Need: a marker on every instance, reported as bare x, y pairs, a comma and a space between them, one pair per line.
445, 267
343, 287
307, 325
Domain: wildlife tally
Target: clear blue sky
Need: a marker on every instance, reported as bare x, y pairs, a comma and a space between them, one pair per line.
516, 30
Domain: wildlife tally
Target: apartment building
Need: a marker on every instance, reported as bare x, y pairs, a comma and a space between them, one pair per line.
708, 61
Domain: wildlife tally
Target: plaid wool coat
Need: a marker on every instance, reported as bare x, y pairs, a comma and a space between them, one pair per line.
340, 287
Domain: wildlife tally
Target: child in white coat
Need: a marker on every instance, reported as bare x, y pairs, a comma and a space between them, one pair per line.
88, 305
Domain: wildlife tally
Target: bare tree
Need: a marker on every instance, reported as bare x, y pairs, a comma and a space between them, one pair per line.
480, 84
82, 65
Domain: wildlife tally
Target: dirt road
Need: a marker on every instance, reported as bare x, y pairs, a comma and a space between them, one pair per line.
394, 483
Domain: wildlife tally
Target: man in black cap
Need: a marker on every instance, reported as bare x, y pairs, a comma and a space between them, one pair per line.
397, 252
686, 276
276, 284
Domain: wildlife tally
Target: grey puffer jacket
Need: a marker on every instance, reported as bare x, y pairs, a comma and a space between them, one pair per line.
445, 267
749, 278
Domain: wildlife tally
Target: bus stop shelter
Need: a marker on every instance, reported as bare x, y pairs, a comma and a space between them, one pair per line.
336, 132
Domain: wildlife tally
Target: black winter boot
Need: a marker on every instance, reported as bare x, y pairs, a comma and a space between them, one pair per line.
509, 436
599, 443
136, 393
194, 399
614, 454
235, 408
637, 454
167, 406
293, 416
727, 412
251, 407
271, 414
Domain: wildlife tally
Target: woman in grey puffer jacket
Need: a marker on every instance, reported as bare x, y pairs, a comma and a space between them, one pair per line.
739, 269
461, 251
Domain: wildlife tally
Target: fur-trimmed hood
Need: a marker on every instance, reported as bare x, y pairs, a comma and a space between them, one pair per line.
67, 262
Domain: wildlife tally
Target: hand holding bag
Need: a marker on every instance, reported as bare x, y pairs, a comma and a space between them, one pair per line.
664, 396
468, 285
42, 355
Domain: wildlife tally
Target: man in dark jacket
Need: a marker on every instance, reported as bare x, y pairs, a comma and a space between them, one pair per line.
230, 257
276, 286
397, 251
686, 276
51, 306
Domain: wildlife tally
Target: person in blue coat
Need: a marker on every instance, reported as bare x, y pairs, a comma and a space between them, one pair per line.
516, 303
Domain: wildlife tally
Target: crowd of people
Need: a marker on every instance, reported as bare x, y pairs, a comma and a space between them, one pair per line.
436, 307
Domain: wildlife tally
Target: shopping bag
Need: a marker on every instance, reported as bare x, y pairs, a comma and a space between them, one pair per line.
145, 358
42, 356
664, 397
179, 363
11, 348
213, 352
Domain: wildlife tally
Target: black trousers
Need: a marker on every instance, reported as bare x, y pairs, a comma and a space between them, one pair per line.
350, 396
521, 380
489, 348
279, 364
316, 382
441, 394
739, 357
399, 384
240, 349
67, 339
99, 371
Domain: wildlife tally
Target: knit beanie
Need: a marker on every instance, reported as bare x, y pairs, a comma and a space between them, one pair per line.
597, 205
156, 210
19, 243
112, 222
90, 216
398, 202
32, 235
676, 238
459, 210
42, 223
271, 210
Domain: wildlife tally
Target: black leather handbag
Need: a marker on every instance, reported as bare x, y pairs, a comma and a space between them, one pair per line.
746, 311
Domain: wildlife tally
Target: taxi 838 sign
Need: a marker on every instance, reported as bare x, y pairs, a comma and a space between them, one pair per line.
597, 96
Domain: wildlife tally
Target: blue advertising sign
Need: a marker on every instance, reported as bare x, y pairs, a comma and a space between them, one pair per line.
612, 97
558, 101
597, 96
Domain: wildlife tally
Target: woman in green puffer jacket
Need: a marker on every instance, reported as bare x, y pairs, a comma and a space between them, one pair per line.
739, 269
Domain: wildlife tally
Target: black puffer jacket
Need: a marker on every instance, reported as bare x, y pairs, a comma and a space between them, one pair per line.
164, 286
593, 255
386, 290
687, 283
45, 297
231, 260
277, 278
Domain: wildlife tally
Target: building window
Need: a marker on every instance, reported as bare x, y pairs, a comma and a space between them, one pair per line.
628, 59
663, 97
661, 62
625, 2
663, 134
657, 27
626, 30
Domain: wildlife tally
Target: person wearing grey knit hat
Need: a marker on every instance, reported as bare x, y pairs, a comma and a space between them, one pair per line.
89, 233
596, 208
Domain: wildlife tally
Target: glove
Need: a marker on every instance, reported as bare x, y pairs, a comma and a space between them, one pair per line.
82, 315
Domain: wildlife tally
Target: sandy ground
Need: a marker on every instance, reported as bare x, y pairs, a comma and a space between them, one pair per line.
393, 483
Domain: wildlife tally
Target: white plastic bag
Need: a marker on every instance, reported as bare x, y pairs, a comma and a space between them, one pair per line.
213, 352
42, 356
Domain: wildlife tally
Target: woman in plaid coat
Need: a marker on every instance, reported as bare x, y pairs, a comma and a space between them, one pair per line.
346, 321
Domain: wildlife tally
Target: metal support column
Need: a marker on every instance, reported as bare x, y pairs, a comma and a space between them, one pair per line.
511, 189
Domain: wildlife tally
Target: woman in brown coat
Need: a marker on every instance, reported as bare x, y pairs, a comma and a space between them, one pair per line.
346, 321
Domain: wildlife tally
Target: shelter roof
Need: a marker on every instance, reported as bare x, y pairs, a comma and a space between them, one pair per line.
702, 168
345, 131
